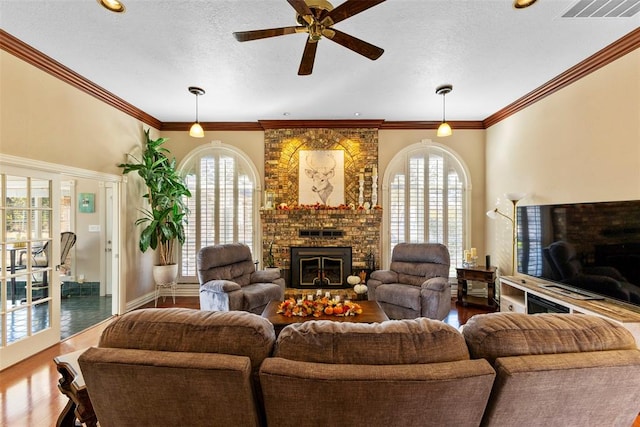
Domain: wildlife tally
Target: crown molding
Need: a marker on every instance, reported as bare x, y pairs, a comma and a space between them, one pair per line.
49, 65
329, 124
456, 125
213, 126
614, 51
610, 53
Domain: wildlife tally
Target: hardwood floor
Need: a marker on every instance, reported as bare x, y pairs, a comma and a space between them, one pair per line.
29, 393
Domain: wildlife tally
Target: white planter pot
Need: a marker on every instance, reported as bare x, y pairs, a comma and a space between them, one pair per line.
164, 274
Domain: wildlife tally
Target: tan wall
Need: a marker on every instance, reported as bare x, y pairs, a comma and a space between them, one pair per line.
469, 145
43, 118
250, 142
87, 247
581, 144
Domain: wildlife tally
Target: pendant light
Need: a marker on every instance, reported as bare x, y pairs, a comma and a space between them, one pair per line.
196, 130
444, 129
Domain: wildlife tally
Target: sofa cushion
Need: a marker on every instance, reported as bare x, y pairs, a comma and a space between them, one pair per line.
187, 330
260, 294
164, 388
231, 261
394, 342
421, 259
495, 335
400, 295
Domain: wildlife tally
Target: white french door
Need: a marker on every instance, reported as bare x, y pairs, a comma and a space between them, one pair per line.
30, 251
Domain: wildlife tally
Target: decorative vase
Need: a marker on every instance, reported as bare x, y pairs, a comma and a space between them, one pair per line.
164, 274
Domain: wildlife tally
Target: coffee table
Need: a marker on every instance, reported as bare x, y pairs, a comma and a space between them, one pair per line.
371, 313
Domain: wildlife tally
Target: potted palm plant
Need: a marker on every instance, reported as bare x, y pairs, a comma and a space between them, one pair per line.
166, 215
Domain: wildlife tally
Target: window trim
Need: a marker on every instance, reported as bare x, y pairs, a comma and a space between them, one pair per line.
397, 162
221, 148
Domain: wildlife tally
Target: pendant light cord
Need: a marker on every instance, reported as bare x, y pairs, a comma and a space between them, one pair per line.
197, 121
443, 107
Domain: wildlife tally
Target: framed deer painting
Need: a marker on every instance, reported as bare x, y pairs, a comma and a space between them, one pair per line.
321, 177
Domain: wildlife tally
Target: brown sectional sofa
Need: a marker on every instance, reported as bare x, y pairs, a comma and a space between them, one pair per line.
199, 368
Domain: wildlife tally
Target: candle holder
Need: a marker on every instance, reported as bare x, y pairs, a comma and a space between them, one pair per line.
361, 193
374, 190
473, 262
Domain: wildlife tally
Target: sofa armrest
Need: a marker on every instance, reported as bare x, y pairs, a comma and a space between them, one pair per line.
225, 286
435, 283
265, 276
385, 276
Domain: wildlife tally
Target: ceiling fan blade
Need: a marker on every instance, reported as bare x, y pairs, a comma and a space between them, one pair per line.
348, 9
355, 44
308, 57
303, 10
245, 36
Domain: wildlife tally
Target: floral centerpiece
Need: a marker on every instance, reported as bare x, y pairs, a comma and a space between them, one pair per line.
317, 307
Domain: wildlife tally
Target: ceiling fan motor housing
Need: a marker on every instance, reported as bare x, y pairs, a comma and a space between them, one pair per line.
316, 6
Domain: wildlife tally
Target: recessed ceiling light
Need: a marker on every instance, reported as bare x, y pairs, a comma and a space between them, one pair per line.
356, 114
521, 4
286, 113
112, 5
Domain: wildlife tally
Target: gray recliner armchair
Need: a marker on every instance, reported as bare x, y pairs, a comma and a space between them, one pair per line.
229, 280
416, 284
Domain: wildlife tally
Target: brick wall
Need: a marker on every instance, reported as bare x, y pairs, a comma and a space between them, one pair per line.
361, 228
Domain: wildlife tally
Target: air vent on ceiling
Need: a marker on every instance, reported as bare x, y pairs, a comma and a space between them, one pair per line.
603, 9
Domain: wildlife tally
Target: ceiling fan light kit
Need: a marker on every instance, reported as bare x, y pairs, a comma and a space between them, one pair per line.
112, 5
444, 129
196, 129
521, 4
316, 18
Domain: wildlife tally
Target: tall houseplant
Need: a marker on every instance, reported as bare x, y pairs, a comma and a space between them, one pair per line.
166, 216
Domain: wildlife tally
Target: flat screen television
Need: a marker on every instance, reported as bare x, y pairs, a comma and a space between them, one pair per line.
590, 247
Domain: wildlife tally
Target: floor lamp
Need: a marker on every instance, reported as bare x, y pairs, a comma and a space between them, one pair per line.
494, 213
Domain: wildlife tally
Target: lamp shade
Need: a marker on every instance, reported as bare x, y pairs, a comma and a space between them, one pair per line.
515, 197
444, 129
196, 130
493, 213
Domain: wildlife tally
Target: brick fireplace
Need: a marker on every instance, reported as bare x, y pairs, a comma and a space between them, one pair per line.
320, 226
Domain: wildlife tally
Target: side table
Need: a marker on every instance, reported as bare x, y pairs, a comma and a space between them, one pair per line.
480, 274
72, 385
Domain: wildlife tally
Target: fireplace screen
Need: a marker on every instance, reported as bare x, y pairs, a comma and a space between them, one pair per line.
320, 267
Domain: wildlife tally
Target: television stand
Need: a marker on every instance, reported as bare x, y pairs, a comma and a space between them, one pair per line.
515, 292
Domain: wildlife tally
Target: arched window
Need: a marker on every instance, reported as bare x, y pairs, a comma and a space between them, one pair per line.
425, 192
224, 202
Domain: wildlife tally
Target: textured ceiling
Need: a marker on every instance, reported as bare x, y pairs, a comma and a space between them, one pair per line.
490, 52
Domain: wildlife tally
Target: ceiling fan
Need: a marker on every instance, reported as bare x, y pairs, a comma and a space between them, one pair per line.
316, 17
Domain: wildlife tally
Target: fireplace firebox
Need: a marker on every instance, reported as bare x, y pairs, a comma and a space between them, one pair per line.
320, 267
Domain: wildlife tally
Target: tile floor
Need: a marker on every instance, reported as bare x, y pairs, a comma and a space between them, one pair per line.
77, 313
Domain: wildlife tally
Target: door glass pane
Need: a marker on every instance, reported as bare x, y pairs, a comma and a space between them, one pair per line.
40, 224
16, 192
39, 284
16, 325
40, 193
17, 289
16, 225
41, 319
